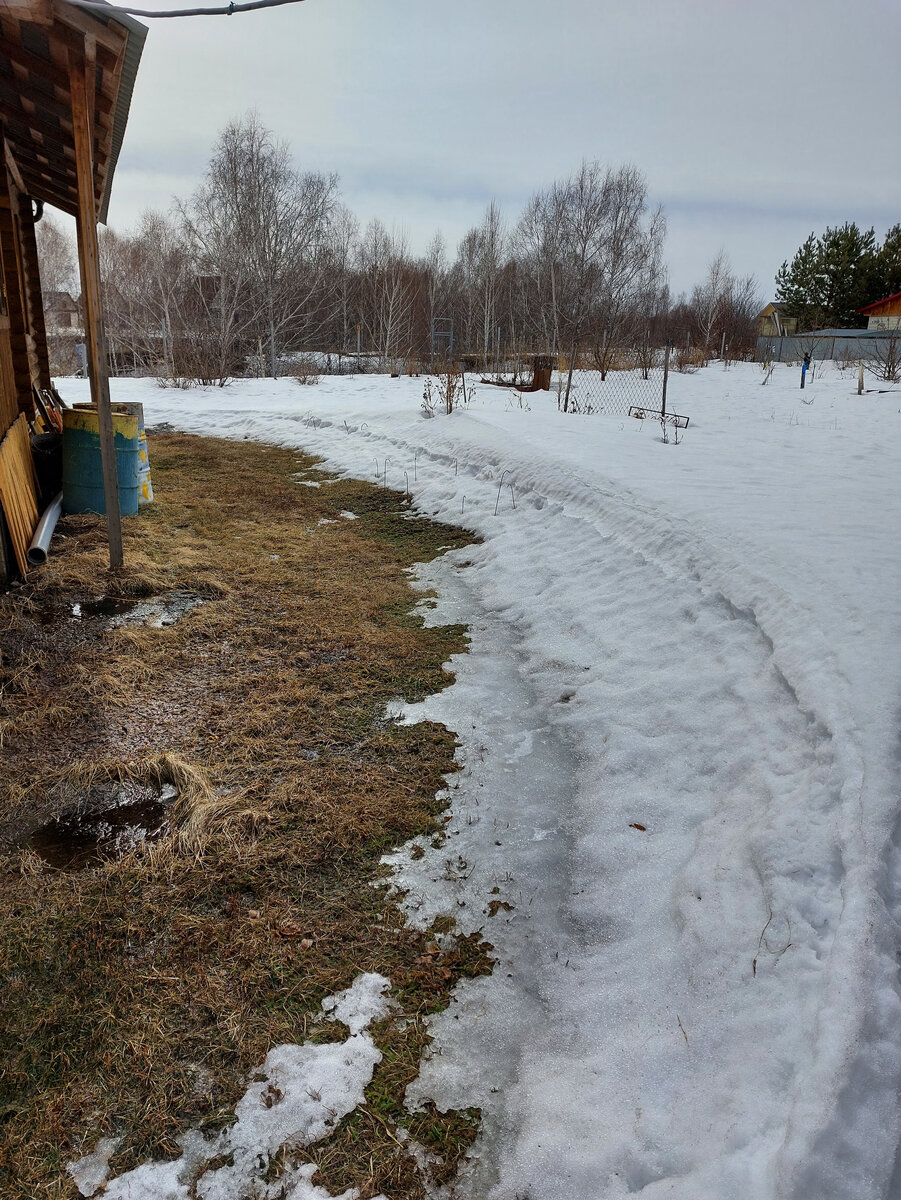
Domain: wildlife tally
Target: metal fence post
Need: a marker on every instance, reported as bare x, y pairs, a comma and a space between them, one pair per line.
665, 377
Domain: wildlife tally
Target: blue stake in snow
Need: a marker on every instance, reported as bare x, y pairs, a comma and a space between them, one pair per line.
804, 366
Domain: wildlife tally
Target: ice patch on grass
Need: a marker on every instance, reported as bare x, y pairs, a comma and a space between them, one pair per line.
91, 1172
360, 1004
296, 1098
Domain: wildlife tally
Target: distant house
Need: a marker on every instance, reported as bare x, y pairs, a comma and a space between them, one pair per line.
61, 312
884, 314
772, 322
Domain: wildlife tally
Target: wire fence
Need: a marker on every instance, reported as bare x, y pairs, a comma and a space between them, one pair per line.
634, 383
613, 393
635, 380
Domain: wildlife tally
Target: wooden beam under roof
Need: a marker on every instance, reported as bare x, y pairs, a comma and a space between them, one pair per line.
81, 74
12, 167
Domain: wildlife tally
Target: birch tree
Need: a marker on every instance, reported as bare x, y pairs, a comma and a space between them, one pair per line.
387, 290
56, 256
261, 225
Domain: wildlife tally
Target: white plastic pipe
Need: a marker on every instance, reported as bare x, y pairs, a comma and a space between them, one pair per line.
40, 543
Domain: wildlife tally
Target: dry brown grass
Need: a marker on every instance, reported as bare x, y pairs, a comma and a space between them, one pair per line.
138, 995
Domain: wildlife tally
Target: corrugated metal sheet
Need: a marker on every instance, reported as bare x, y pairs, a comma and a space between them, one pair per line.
841, 344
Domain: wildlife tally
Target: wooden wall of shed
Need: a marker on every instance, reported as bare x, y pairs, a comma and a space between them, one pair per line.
24, 361
14, 288
9, 401
887, 308
885, 315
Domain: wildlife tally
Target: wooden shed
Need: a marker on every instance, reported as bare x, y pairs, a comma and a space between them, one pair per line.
884, 314
772, 321
66, 80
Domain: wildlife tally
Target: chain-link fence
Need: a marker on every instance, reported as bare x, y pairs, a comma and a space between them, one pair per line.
613, 392
633, 384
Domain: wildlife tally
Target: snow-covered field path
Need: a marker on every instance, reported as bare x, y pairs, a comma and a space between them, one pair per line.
676, 820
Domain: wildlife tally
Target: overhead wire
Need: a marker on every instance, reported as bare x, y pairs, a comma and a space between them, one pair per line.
224, 11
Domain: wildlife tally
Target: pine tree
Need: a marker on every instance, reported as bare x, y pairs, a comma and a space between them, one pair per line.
798, 285
831, 277
887, 272
846, 268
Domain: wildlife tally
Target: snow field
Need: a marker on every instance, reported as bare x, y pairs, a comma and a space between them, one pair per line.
702, 640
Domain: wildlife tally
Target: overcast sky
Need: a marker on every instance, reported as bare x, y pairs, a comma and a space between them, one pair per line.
754, 124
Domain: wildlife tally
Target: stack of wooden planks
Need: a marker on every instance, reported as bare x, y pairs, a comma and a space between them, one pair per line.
18, 489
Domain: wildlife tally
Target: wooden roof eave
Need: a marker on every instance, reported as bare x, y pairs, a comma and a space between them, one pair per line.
43, 40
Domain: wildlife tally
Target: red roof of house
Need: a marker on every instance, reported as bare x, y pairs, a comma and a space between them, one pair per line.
879, 303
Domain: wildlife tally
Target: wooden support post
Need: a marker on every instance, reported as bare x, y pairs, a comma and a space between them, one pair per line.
82, 86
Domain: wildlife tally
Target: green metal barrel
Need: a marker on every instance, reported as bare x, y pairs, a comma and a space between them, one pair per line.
82, 467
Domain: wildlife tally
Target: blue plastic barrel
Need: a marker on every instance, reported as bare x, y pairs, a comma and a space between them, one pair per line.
82, 466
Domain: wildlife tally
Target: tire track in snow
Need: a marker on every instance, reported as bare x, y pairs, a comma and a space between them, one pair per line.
770, 827
721, 852
661, 546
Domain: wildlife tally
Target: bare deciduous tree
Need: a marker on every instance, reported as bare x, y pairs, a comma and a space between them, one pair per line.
632, 282
597, 252
262, 227
724, 305
57, 256
386, 292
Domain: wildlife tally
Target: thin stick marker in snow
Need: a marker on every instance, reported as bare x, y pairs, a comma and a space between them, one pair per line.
499, 486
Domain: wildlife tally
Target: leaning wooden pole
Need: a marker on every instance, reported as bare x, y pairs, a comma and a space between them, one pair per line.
81, 83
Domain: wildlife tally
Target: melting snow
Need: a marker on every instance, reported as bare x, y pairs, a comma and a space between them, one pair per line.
358, 1006
702, 640
297, 1097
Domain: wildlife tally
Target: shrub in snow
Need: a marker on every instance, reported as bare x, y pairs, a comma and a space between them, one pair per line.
448, 393
303, 370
